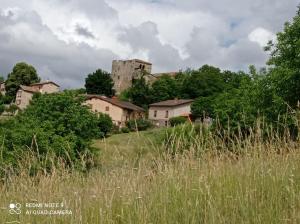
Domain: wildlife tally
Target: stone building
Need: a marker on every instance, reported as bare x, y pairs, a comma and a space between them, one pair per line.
25, 93
125, 72
161, 112
2, 88
119, 111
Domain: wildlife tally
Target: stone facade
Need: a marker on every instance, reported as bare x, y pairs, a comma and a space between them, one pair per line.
2, 88
119, 111
161, 112
125, 72
25, 93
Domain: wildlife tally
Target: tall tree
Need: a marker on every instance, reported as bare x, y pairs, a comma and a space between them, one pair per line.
22, 74
204, 82
140, 93
285, 61
165, 88
100, 82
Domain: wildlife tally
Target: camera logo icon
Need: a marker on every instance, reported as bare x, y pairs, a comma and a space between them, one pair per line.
15, 208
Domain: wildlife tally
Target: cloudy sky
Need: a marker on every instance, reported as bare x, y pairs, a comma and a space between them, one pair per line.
67, 39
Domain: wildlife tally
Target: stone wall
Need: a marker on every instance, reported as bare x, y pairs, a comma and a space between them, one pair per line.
124, 72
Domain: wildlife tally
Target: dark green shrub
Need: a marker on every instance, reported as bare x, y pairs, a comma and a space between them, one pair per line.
174, 121
138, 125
2, 108
105, 124
57, 125
125, 130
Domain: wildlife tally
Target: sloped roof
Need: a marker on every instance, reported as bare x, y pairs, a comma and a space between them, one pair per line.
116, 102
29, 89
43, 83
171, 103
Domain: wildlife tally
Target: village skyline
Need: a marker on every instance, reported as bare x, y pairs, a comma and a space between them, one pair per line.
65, 40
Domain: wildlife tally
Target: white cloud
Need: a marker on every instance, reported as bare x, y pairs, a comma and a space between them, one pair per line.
66, 39
261, 36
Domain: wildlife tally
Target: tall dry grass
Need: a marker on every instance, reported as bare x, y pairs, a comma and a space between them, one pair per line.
147, 184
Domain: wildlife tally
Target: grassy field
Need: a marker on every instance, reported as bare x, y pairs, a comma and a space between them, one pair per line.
138, 183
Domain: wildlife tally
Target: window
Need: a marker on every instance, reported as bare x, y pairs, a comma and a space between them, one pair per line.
106, 108
19, 94
155, 113
167, 114
166, 123
18, 102
118, 77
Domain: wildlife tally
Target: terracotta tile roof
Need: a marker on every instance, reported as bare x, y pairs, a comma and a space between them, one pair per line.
116, 102
43, 83
171, 103
29, 89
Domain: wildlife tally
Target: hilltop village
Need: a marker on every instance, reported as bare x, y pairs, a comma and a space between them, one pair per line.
123, 73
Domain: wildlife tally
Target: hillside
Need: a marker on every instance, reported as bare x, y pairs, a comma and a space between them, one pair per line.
138, 183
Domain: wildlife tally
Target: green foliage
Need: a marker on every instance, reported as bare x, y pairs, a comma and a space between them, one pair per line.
1, 78
206, 81
54, 124
138, 125
2, 108
99, 82
105, 124
140, 93
12, 109
174, 121
125, 130
165, 88
124, 95
285, 62
203, 106
186, 137
22, 74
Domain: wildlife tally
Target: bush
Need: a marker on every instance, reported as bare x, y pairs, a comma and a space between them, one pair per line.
57, 125
138, 125
2, 108
125, 130
105, 124
174, 121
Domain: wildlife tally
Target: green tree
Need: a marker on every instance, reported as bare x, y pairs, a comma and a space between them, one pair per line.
206, 81
203, 106
140, 93
285, 61
22, 74
2, 108
99, 82
55, 124
165, 88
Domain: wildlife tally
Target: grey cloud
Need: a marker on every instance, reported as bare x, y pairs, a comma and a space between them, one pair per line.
223, 41
67, 64
145, 38
83, 31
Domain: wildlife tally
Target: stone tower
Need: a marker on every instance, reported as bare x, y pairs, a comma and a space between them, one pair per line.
125, 72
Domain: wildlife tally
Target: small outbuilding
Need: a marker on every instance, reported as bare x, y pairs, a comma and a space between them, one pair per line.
161, 112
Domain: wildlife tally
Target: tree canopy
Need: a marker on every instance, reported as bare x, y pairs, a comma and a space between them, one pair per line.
99, 82
285, 61
22, 74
